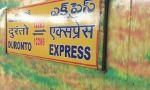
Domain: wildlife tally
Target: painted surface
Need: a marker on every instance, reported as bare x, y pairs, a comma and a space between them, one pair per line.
63, 31
129, 58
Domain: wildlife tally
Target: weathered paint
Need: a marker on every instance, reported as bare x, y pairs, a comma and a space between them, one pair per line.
128, 50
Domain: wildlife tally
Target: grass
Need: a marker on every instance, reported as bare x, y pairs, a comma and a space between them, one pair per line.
124, 78
68, 77
18, 69
11, 4
89, 72
148, 57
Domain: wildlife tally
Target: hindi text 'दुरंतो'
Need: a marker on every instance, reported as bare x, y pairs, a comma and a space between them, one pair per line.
70, 51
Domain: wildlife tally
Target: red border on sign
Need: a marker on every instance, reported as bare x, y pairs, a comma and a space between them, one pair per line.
56, 60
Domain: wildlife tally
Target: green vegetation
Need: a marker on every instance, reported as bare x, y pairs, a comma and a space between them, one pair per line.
11, 4
18, 69
148, 56
68, 77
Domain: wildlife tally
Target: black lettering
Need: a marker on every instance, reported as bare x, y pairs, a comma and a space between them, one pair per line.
80, 54
51, 49
73, 52
56, 50
20, 45
61, 49
87, 55
29, 46
67, 51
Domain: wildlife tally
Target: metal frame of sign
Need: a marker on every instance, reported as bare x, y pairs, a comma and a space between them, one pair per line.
6, 32
105, 40
104, 57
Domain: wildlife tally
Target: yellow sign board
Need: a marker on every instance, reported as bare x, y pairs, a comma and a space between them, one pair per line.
63, 31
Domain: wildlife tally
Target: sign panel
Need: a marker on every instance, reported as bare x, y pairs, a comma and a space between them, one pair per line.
64, 31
